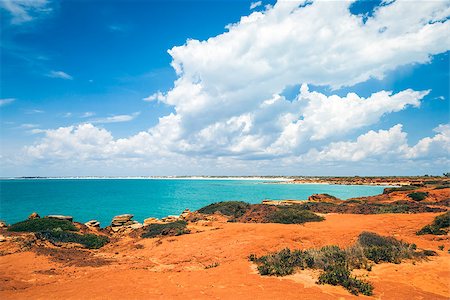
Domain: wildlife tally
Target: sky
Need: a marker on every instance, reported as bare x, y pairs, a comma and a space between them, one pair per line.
137, 88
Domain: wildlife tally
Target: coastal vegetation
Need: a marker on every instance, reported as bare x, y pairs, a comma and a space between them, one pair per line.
90, 241
418, 196
42, 224
439, 226
337, 263
293, 215
229, 208
166, 229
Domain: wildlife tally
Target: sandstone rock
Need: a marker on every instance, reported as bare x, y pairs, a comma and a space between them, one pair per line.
122, 220
170, 219
149, 221
33, 216
136, 226
3, 224
2, 238
61, 217
324, 198
92, 223
185, 214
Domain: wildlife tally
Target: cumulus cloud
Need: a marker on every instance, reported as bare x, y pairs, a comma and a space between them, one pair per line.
23, 11
6, 101
158, 96
228, 98
116, 118
386, 145
255, 4
60, 74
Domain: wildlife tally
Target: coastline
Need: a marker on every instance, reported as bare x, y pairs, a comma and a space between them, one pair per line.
208, 256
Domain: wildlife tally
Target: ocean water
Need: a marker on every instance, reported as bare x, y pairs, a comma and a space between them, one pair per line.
101, 199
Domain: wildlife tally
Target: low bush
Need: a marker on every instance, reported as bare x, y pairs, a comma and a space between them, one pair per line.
90, 241
399, 189
293, 215
418, 196
43, 224
340, 275
440, 225
378, 248
171, 229
444, 186
337, 263
229, 208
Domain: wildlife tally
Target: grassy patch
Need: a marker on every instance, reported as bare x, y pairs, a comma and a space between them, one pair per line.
229, 208
337, 263
440, 225
418, 196
399, 189
90, 241
43, 224
293, 215
170, 229
444, 186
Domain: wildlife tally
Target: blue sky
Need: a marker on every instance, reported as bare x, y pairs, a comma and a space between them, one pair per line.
90, 88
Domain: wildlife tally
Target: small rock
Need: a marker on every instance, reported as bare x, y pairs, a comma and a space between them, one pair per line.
61, 217
33, 216
170, 219
92, 223
185, 214
3, 224
122, 220
2, 238
149, 221
136, 226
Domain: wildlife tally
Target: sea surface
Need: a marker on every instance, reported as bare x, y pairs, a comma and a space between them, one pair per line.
101, 199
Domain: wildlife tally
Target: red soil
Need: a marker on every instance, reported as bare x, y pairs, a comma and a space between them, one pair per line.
175, 267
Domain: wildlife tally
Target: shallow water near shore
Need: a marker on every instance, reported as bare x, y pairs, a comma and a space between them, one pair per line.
101, 199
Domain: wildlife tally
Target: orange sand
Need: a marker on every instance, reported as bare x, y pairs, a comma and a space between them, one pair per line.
174, 267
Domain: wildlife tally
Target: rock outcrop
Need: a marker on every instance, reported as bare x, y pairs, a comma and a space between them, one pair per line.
3, 224
93, 224
324, 198
61, 217
150, 221
33, 216
123, 222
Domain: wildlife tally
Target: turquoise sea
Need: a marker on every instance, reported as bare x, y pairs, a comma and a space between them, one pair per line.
101, 199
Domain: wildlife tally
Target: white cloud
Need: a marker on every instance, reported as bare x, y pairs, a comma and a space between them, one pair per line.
6, 101
23, 11
116, 119
88, 114
158, 96
438, 145
386, 145
228, 103
34, 111
60, 74
255, 4
28, 126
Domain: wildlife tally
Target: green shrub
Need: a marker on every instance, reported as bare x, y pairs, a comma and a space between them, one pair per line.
380, 248
399, 189
440, 225
171, 229
229, 208
293, 215
337, 263
90, 241
418, 196
43, 224
340, 275
444, 186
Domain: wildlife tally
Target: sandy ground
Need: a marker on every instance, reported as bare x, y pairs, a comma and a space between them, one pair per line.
176, 267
